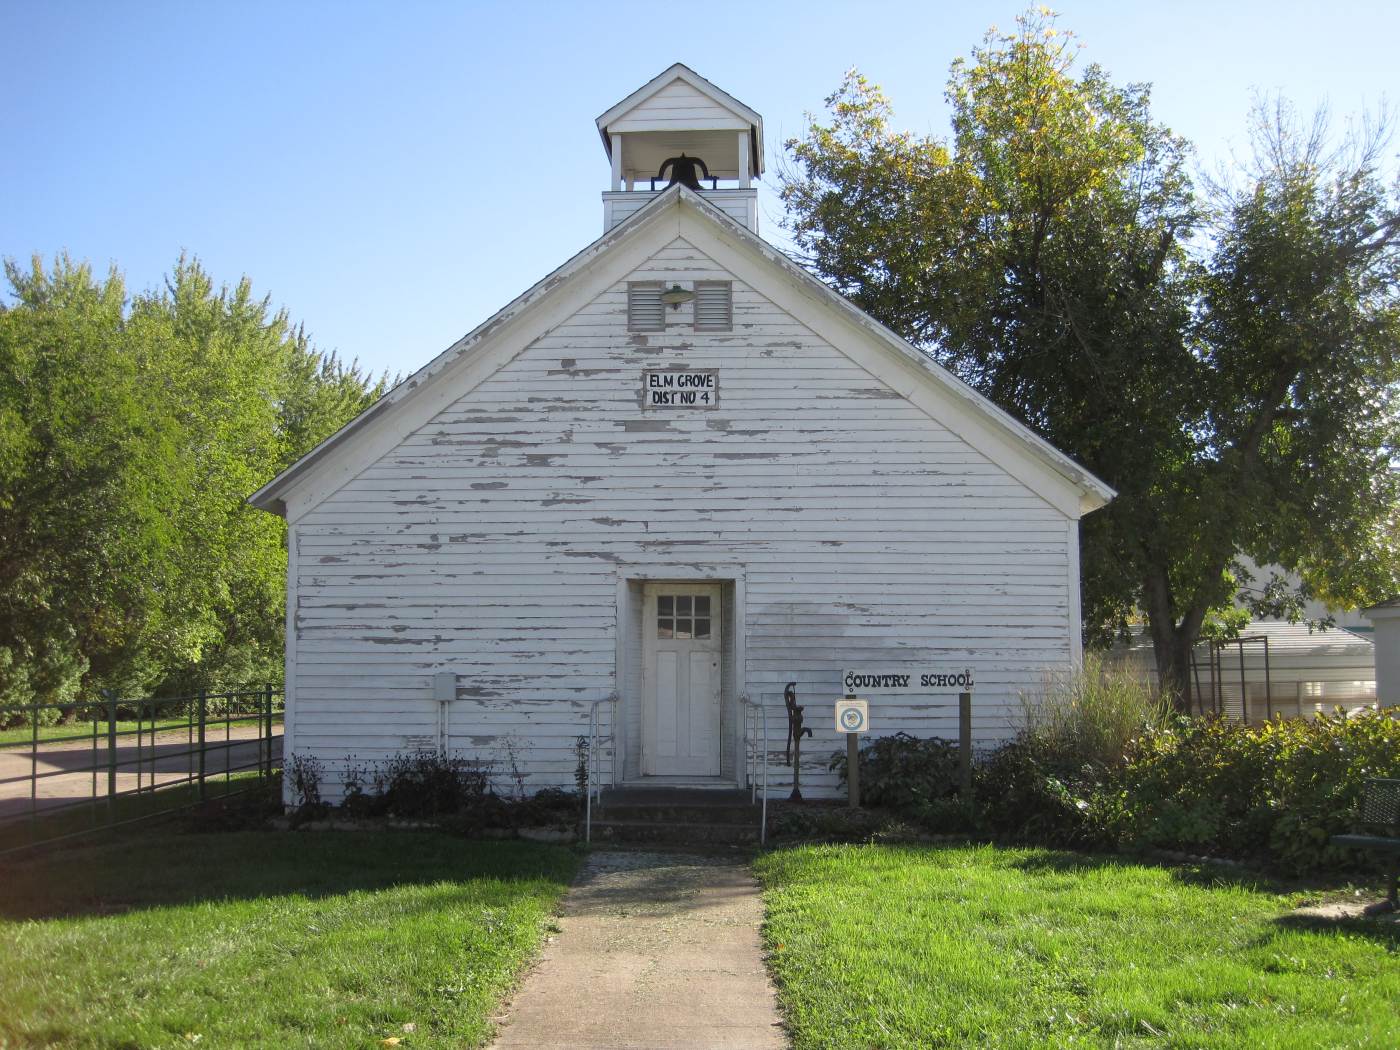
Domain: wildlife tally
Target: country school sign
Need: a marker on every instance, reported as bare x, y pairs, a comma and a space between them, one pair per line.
877, 681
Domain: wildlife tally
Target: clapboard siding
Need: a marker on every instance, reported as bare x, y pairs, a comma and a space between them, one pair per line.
496, 541
740, 204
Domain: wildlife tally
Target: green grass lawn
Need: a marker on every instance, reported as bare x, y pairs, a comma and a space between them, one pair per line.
23, 736
263, 938
878, 946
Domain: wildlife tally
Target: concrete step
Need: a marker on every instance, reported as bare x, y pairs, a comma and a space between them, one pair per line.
686, 834
678, 805
676, 816
677, 796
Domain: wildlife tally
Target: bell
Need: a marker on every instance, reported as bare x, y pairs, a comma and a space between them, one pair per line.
683, 170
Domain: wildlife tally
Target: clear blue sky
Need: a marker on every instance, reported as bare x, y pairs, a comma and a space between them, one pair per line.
395, 173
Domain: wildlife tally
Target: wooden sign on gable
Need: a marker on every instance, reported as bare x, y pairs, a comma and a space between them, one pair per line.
681, 388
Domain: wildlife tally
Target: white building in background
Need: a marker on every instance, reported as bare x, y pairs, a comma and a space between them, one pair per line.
1281, 668
676, 474
1386, 617
1292, 669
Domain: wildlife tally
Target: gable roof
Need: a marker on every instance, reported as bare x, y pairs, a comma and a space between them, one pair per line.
1286, 640
715, 94
1386, 610
1003, 438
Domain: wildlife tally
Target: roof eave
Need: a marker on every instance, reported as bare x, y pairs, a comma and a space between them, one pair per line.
1094, 492
271, 497
679, 70
1386, 610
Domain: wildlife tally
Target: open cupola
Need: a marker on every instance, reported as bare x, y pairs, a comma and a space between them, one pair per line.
680, 128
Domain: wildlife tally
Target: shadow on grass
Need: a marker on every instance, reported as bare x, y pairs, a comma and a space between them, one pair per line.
161, 867
243, 798
1067, 862
1206, 874
1211, 875
1384, 929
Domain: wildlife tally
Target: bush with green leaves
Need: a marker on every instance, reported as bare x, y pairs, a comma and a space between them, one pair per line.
1022, 792
1052, 782
1100, 763
917, 778
903, 772
1273, 793
1276, 792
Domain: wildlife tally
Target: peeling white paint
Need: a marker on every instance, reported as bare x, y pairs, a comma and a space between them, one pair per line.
482, 543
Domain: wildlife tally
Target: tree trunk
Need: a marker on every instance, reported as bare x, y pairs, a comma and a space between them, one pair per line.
1172, 642
1174, 668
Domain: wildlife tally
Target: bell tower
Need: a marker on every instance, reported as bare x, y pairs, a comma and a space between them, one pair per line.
680, 128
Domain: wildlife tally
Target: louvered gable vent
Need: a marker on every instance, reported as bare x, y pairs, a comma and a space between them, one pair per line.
714, 310
645, 310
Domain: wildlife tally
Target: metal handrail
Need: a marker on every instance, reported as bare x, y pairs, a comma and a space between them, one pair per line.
595, 759
755, 757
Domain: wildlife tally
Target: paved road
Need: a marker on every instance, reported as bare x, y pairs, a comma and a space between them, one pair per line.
657, 951
65, 769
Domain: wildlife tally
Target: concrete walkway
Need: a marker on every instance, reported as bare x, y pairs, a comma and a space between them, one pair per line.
657, 951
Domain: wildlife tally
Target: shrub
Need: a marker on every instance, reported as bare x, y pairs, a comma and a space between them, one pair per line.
355, 801
304, 773
1099, 763
903, 772
427, 784
546, 807
917, 779
1053, 783
1023, 792
1322, 765
1275, 792
836, 823
581, 765
1090, 716
1195, 784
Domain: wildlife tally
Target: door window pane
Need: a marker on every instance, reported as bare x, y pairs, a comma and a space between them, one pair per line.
683, 616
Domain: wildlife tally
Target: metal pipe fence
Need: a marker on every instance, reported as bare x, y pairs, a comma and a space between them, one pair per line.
67, 769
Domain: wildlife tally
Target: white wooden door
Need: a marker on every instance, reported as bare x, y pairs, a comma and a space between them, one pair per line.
681, 679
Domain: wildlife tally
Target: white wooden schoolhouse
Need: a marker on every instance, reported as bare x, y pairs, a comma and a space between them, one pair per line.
672, 477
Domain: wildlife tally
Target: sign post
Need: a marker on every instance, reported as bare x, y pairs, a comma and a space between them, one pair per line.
853, 718
965, 744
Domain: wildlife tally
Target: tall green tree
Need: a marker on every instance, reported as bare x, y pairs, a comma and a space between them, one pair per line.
1226, 361
131, 431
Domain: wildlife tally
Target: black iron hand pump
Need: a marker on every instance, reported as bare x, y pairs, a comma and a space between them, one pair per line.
792, 752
